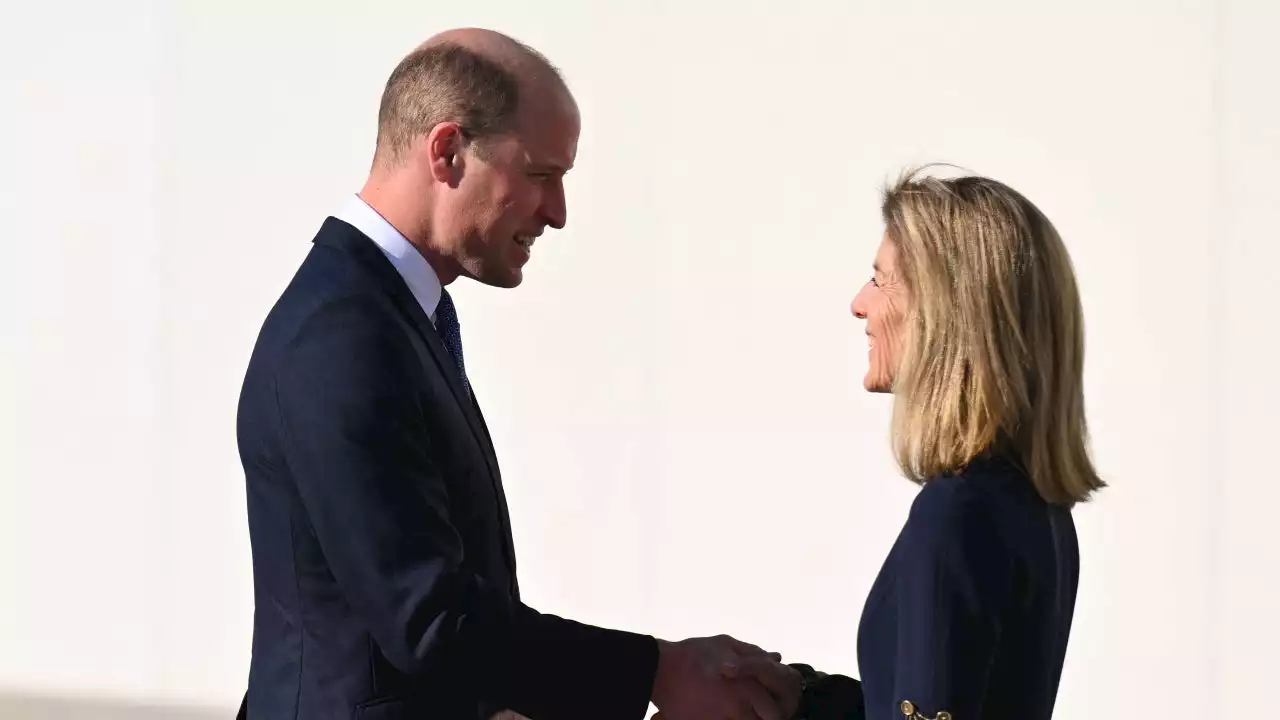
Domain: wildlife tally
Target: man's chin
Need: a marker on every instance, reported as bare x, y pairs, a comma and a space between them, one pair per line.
505, 280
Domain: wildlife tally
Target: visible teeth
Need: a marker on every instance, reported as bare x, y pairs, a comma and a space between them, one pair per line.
525, 240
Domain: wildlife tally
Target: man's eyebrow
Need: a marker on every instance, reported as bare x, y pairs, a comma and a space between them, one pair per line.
546, 165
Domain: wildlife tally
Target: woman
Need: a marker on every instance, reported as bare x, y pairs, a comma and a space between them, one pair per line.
974, 324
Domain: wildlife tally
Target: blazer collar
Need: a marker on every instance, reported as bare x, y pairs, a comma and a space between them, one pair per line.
337, 234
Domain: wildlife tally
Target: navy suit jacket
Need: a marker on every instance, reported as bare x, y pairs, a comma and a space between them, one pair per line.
384, 573
972, 609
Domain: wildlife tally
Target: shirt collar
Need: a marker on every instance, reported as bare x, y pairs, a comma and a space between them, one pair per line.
405, 258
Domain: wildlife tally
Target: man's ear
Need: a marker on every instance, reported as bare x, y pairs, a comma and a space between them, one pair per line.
443, 148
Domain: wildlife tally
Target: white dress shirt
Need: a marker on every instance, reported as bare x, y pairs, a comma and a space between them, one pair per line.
416, 271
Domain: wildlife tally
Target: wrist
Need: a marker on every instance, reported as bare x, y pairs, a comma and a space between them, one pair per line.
662, 675
808, 678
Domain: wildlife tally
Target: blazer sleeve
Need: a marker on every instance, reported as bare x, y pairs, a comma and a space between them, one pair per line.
359, 447
828, 696
954, 576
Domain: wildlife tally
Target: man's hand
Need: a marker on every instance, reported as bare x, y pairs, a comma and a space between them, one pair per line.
784, 683
725, 679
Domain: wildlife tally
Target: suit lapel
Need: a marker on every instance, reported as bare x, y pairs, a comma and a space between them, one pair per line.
336, 233
508, 541
340, 235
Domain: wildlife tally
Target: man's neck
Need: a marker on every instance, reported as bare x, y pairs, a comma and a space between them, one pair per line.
398, 205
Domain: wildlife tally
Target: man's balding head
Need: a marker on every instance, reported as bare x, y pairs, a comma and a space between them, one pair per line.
474, 77
475, 135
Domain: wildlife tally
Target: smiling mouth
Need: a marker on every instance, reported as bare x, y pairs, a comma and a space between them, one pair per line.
525, 241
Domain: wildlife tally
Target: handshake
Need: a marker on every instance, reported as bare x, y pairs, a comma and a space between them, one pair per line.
723, 678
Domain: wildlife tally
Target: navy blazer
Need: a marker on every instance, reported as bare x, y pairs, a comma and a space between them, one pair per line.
384, 573
971, 611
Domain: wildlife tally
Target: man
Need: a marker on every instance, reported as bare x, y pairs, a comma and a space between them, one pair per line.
384, 573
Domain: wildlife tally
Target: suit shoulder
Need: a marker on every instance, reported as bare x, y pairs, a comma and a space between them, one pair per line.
327, 273
326, 284
954, 509
985, 484
946, 496
325, 312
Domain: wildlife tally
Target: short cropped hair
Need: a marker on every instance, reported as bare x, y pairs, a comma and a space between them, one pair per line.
445, 82
993, 355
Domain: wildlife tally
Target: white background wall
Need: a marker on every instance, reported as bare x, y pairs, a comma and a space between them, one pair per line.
675, 391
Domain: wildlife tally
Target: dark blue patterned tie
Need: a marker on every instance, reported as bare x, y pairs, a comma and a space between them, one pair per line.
451, 334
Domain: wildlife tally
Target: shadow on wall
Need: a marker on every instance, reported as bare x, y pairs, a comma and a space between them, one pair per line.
15, 706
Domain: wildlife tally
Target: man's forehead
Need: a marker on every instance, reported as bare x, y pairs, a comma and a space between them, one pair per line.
558, 157
549, 135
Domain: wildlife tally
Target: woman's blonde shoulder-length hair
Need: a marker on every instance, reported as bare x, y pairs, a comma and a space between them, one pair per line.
993, 347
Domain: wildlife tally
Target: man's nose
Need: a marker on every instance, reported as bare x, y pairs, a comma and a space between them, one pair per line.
553, 206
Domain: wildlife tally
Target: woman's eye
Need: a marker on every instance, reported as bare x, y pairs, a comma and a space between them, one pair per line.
873, 281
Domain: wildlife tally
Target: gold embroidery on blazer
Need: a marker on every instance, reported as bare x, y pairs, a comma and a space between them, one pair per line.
910, 712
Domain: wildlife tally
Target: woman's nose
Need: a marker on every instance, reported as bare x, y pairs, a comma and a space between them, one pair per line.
858, 307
